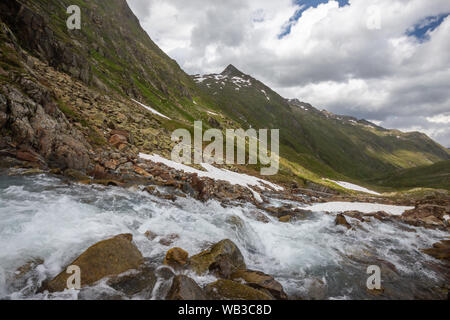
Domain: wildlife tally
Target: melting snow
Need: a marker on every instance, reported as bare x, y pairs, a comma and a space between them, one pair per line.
357, 206
217, 174
351, 186
151, 110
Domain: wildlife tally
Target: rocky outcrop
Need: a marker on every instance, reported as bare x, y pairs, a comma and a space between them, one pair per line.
432, 215
223, 259
106, 258
40, 130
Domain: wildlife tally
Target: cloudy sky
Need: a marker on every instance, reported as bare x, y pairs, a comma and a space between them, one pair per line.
383, 60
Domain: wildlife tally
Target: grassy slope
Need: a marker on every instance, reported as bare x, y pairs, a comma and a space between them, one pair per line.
433, 176
326, 144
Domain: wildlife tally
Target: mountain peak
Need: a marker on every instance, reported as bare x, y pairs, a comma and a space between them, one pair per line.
232, 71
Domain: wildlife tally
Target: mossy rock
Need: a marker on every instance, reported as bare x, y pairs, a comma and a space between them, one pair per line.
106, 258
184, 288
223, 258
260, 281
231, 290
176, 258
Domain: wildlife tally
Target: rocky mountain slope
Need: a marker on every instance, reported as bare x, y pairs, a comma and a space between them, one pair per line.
319, 140
92, 99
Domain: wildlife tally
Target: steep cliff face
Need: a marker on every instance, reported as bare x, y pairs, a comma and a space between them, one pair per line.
65, 93
33, 128
111, 51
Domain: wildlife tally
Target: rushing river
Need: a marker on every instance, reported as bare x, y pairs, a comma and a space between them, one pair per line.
46, 219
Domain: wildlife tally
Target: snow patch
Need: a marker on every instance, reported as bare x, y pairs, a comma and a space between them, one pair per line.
151, 110
357, 206
355, 187
217, 174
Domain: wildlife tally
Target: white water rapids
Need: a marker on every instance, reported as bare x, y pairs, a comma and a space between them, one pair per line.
43, 217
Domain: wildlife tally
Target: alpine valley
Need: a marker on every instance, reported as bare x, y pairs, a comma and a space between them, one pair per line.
86, 178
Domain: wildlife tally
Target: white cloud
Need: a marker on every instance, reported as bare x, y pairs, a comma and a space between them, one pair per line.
330, 58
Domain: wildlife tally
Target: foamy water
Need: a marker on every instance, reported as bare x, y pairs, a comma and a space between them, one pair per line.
42, 217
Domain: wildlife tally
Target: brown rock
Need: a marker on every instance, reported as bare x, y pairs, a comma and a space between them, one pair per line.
176, 258
440, 250
168, 240
112, 164
141, 281
184, 288
341, 221
117, 139
223, 258
141, 171
105, 258
27, 156
260, 280
231, 290
76, 175
150, 235
285, 219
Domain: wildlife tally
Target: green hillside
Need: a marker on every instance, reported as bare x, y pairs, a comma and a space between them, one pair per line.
433, 176
321, 141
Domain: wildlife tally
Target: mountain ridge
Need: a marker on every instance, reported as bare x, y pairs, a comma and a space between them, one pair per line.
244, 98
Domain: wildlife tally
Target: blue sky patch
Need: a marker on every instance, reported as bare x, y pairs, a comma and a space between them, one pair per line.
303, 6
423, 27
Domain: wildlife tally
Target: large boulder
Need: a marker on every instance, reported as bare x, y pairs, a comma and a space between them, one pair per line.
223, 258
184, 288
260, 281
231, 290
106, 258
440, 250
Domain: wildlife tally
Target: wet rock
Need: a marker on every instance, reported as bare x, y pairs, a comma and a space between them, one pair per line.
164, 275
184, 288
231, 290
140, 281
150, 235
440, 250
260, 280
285, 219
75, 175
106, 258
258, 216
236, 222
150, 189
223, 258
317, 289
176, 258
341, 221
168, 240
